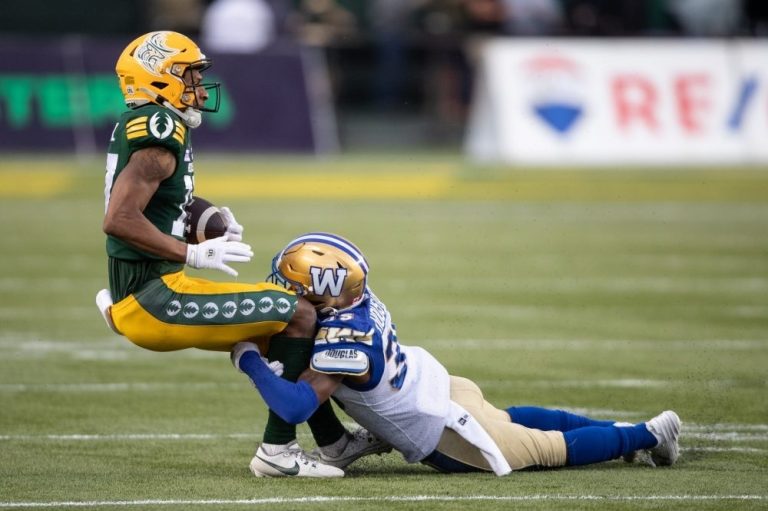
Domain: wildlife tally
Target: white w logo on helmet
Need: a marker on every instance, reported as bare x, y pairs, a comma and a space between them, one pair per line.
327, 279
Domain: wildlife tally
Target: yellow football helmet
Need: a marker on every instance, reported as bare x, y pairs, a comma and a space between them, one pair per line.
326, 269
151, 70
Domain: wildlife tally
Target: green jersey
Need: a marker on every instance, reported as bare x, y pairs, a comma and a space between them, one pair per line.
149, 126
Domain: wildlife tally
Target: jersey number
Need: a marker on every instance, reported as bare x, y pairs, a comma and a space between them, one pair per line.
397, 357
189, 186
178, 224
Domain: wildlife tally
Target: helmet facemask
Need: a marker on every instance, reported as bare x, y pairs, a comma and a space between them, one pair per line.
190, 89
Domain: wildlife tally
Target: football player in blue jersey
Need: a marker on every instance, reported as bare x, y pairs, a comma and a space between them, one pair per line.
150, 179
404, 396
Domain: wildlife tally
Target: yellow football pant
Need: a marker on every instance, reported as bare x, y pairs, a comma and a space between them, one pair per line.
177, 312
522, 447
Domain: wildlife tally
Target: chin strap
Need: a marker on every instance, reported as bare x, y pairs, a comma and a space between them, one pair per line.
191, 117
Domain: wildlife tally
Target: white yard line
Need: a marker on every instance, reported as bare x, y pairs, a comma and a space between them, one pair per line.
728, 436
21, 342
413, 498
130, 436
587, 383
19, 346
724, 427
117, 387
591, 344
744, 450
621, 383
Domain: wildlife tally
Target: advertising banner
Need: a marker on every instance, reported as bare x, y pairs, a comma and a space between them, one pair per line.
63, 95
565, 101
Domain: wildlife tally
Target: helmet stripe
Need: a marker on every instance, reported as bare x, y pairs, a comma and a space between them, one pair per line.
336, 241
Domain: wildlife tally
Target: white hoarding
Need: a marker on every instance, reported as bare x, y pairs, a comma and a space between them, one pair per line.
564, 101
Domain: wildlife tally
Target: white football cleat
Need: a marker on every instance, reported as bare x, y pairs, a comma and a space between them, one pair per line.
666, 428
292, 462
358, 444
641, 456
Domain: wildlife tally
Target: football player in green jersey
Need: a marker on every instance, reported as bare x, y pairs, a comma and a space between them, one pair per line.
151, 301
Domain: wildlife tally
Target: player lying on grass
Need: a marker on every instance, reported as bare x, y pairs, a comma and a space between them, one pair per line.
150, 179
403, 395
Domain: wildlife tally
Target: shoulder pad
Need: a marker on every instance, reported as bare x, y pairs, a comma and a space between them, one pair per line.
340, 361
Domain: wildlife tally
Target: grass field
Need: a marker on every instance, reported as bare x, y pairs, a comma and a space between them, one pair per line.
614, 293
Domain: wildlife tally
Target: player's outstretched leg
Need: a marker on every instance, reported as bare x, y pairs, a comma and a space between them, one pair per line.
547, 419
595, 444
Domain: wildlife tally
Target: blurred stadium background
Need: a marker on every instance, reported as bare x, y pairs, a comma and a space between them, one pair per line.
566, 200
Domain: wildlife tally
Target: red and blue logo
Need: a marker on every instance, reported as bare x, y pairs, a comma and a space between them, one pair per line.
555, 92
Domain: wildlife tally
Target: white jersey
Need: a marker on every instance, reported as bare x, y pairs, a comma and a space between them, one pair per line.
407, 398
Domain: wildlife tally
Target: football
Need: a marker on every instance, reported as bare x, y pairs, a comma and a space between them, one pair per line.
204, 221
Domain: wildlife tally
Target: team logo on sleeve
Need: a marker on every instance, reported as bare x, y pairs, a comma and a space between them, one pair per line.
190, 310
229, 309
173, 308
266, 304
247, 307
161, 125
210, 310
327, 281
282, 305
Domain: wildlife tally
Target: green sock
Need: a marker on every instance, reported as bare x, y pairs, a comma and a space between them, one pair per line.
294, 353
325, 426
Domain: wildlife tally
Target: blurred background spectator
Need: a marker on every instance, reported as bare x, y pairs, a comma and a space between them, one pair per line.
180, 15
325, 23
237, 26
612, 18
707, 18
756, 17
405, 58
532, 17
390, 22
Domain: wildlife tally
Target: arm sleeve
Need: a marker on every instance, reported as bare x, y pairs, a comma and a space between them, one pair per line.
293, 402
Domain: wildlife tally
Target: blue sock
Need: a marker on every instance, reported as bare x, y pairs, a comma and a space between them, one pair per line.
551, 420
596, 444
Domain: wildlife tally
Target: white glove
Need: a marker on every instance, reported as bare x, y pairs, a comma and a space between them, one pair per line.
215, 253
234, 230
242, 348
275, 366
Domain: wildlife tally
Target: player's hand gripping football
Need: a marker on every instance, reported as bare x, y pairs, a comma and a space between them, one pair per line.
234, 230
243, 347
217, 252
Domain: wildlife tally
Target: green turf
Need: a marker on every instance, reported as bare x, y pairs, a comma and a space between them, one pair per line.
615, 293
